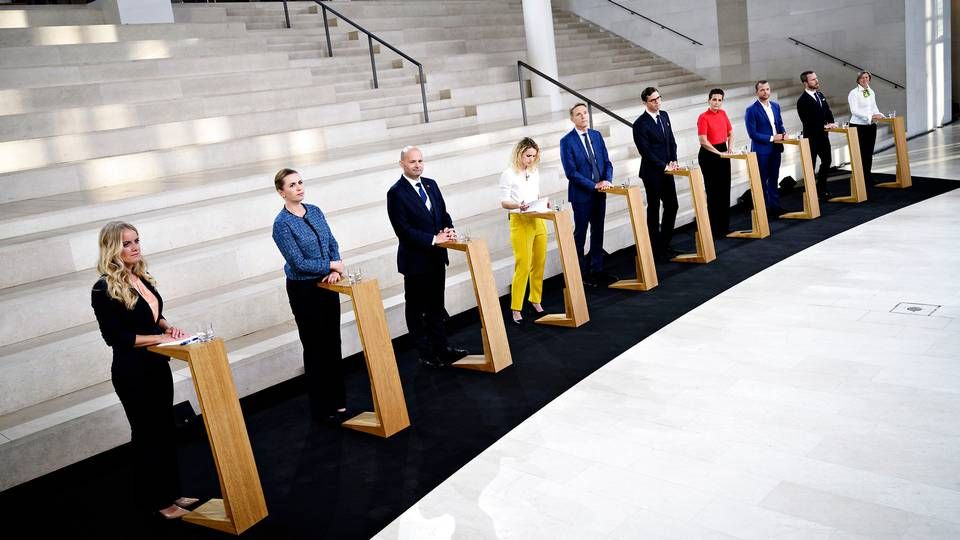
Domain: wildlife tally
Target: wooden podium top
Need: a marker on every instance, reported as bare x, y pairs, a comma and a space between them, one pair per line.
839, 129
737, 155
552, 215
343, 286
680, 171
460, 246
792, 141
621, 190
887, 119
183, 352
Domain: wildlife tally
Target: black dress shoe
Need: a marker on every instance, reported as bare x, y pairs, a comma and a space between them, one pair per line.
590, 280
604, 279
432, 362
452, 354
517, 322
671, 253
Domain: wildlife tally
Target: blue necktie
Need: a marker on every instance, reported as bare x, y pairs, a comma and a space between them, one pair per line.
423, 194
593, 158
660, 126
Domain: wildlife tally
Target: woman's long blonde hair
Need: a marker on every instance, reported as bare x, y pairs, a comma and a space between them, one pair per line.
525, 144
111, 267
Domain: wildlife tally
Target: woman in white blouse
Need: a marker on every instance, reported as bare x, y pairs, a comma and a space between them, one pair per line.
863, 111
519, 188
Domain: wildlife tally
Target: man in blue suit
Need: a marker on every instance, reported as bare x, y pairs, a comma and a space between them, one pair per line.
658, 153
589, 171
419, 217
765, 128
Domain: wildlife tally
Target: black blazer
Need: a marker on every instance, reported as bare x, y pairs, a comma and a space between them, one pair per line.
416, 226
120, 326
656, 148
812, 115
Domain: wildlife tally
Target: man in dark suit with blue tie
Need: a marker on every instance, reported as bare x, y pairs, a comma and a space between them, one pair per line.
589, 171
765, 129
419, 217
658, 152
815, 115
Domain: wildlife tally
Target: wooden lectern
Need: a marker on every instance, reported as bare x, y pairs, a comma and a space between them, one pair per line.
242, 504
574, 299
811, 204
706, 252
761, 227
904, 180
646, 269
496, 350
858, 188
389, 408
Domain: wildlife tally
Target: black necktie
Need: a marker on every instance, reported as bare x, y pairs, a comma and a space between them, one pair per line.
593, 158
660, 127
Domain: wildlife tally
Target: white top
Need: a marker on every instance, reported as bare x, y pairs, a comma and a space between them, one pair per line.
862, 108
519, 187
413, 184
768, 108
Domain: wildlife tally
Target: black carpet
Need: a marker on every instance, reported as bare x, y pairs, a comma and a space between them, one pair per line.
322, 482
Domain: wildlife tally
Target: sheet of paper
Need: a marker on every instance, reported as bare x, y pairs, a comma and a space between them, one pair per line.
539, 205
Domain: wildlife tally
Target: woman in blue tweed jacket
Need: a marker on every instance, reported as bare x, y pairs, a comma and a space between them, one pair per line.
312, 254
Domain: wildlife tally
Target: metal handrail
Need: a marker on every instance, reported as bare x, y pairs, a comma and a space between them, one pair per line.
590, 103
661, 25
845, 63
371, 37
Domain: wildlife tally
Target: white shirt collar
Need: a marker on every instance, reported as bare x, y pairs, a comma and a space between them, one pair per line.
412, 181
652, 115
813, 93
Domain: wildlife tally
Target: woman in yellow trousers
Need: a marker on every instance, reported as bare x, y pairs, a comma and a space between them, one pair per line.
519, 189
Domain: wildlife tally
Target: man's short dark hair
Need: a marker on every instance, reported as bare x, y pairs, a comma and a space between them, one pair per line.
804, 75
647, 92
757, 85
714, 92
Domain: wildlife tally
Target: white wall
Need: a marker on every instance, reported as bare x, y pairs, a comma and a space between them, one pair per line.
928, 68
745, 40
135, 11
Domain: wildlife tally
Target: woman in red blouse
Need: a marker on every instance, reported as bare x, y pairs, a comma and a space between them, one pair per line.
716, 137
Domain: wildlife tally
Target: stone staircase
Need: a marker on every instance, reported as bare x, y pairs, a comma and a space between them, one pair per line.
179, 129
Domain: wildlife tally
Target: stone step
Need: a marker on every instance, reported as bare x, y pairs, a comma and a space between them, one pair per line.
98, 53
26, 154
33, 16
45, 76
112, 33
116, 116
127, 168
26, 100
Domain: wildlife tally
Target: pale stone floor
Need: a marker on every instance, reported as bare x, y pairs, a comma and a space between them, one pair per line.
796, 404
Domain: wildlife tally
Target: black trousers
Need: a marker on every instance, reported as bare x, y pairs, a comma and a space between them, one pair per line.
820, 148
716, 179
145, 387
317, 312
867, 135
661, 188
425, 311
590, 213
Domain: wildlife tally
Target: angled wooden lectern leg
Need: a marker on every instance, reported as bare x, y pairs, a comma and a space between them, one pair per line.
646, 269
242, 504
811, 203
904, 179
496, 349
574, 299
706, 252
858, 188
758, 217
389, 413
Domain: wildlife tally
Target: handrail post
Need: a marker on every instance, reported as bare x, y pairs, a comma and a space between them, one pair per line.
423, 95
590, 113
373, 63
326, 29
286, 13
523, 103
